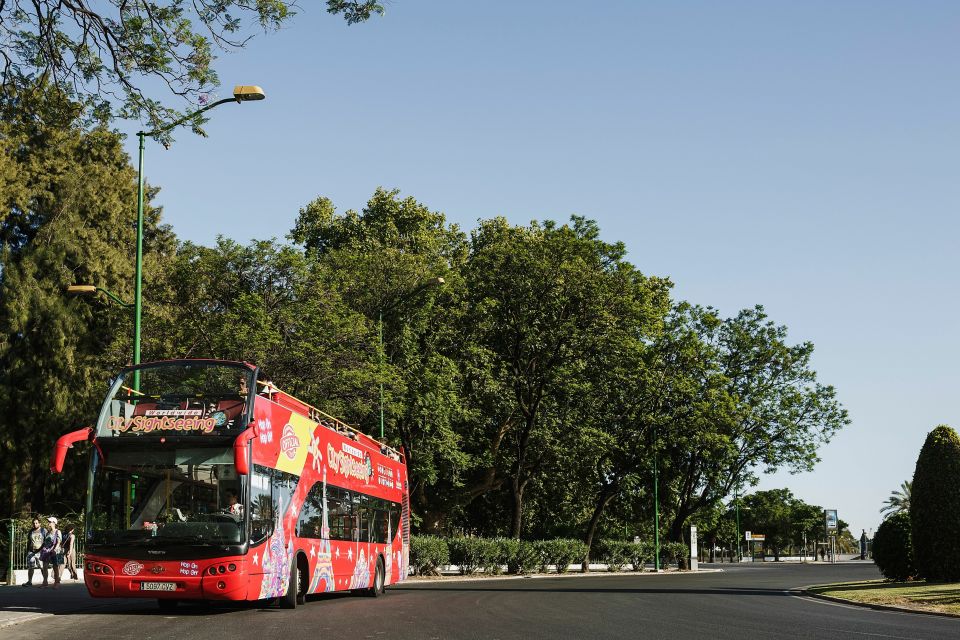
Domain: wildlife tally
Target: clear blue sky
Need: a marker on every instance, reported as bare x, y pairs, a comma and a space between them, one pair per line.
803, 156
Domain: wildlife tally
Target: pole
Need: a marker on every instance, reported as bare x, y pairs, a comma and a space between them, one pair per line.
380, 337
736, 501
656, 507
138, 285
10, 577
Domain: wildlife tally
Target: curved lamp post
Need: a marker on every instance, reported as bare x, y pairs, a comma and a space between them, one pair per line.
432, 282
241, 93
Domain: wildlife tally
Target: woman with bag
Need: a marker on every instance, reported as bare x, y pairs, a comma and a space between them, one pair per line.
34, 545
52, 553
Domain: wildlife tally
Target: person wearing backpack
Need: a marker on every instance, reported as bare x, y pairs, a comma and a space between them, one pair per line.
34, 544
52, 553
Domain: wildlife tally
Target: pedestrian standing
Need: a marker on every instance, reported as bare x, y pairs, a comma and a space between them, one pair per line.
51, 555
34, 545
70, 551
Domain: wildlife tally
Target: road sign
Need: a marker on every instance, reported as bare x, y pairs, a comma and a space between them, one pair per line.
830, 520
746, 535
759, 537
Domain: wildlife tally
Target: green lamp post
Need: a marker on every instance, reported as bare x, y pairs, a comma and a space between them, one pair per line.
241, 93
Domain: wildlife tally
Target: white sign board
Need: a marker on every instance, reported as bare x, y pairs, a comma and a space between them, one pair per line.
746, 535
693, 549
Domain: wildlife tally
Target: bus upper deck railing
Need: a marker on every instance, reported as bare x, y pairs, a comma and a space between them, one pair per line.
325, 419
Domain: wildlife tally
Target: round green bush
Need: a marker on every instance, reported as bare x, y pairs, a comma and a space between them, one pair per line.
892, 550
935, 507
471, 554
561, 552
615, 553
428, 553
639, 553
524, 558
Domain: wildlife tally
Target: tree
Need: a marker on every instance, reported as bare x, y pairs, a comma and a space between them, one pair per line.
539, 299
935, 507
771, 513
759, 407
68, 198
892, 547
383, 259
105, 54
898, 501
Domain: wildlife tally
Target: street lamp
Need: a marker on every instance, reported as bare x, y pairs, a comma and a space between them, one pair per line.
241, 93
85, 289
432, 282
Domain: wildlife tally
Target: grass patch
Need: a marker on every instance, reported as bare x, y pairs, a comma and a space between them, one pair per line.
919, 595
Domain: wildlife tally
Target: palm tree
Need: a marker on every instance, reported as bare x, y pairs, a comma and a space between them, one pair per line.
898, 500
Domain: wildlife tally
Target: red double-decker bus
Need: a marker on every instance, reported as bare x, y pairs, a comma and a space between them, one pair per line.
208, 483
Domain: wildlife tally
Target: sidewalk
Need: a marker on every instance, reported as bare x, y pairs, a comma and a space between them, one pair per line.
20, 604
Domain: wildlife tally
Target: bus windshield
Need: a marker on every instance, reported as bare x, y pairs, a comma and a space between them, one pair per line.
178, 398
157, 497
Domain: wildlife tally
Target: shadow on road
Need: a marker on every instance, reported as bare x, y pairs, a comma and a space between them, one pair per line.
720, 591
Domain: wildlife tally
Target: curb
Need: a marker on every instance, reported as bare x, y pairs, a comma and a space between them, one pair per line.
412, 580
870, 605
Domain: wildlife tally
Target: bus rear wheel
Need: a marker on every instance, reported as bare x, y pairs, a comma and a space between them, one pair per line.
379, 578
290, 599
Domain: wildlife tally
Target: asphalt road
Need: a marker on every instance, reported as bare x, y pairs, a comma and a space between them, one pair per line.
741, 602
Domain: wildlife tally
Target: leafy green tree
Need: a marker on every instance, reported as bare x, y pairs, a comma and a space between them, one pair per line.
384, 260
770, 513
265, 303
68, 201
539, 298
109, 52
898, 501
892, 547
763, 409
935, 507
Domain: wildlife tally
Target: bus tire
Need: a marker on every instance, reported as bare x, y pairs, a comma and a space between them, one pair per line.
303, 579
289, 599
379, 578
167, 605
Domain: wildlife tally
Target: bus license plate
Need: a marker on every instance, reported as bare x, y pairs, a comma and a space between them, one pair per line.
158, 586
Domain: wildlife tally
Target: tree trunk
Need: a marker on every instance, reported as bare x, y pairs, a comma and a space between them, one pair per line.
605, 497
517, 520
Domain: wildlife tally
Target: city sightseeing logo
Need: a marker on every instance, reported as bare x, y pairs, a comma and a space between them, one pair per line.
350, 462
149, 424
132, 568
289, 442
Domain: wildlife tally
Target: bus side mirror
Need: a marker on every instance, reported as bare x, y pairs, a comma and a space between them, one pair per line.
241, 457
65, 442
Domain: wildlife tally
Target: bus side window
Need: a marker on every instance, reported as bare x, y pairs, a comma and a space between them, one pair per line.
338, 512
394, 518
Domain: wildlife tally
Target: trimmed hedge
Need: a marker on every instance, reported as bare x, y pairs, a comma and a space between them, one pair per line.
892, 550
935, 507
472, 554
427, 554
491, 555
640, 554
673, 553
562, 552
615, 553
